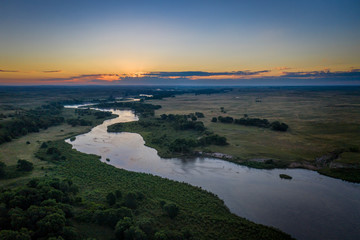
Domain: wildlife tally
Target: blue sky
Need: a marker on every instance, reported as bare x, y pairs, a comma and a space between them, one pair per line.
61, 41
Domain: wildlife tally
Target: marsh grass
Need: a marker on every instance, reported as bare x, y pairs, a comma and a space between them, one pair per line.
320, 120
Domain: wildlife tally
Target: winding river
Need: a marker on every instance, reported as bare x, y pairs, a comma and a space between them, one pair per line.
310, 206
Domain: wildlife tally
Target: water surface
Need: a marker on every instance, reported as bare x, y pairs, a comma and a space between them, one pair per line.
310, 206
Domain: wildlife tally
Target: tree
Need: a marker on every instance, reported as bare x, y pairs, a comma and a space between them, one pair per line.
111, 199
171, 209
23, 165
147, 225
14, 235
118, 194
130, 200
214, 119
134, 233
277, 126
51, 224
121, 226
199, 114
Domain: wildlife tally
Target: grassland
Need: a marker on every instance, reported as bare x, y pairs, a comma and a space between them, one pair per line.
11, 152
157, 134
201, 213
320, 121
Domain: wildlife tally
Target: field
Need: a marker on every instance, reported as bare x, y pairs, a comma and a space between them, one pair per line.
202, 215
17, 149
321, 120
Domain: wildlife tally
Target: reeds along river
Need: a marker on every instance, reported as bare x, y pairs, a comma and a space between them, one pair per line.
310, 206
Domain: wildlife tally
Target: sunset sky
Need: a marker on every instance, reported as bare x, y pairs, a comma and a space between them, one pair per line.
179, 42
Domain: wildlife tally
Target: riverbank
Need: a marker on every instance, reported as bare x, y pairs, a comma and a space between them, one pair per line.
247, 192
160, 134
201, 212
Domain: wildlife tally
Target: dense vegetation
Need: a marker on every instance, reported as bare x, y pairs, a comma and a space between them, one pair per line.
348, 174
21, 168
172, 134
257, 122
141, 206
198, 214
28, 121
89, 112
39, 210
142, 109
77, 121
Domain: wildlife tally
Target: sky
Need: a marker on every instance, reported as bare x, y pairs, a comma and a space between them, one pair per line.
223, 42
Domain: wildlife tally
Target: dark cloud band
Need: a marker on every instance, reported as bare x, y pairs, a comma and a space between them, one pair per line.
202, 74
355, 73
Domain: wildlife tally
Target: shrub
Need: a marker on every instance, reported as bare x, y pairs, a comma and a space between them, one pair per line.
14, 235
134, 233
225, 119
23, 165
199, 114
277, 126
121, 226
171, 209
111, 199
44, 145
130, 200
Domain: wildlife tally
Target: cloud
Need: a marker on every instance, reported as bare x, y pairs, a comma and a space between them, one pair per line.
8, 71
187, 74
85, 78
194, 78
354, 73
52, 71
282, 68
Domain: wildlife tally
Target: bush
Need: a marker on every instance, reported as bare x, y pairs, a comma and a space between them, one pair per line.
212, 139
121, 226
14, 235
225, 119
110, 216
44, 145
111, 199
181, 145
130, 200
171, 209
199, 114
51, 224
147, 225
23, 165
118, 194
277, 126
134, 233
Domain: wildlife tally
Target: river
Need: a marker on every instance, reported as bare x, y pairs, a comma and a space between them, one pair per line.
310, 206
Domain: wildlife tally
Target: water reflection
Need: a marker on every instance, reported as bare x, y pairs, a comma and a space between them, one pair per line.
310, 206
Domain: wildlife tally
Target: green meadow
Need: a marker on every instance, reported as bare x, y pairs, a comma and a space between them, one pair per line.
320, 121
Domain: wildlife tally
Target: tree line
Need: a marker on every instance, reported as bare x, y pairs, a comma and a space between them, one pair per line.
143, 109
31, 121
257, 122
